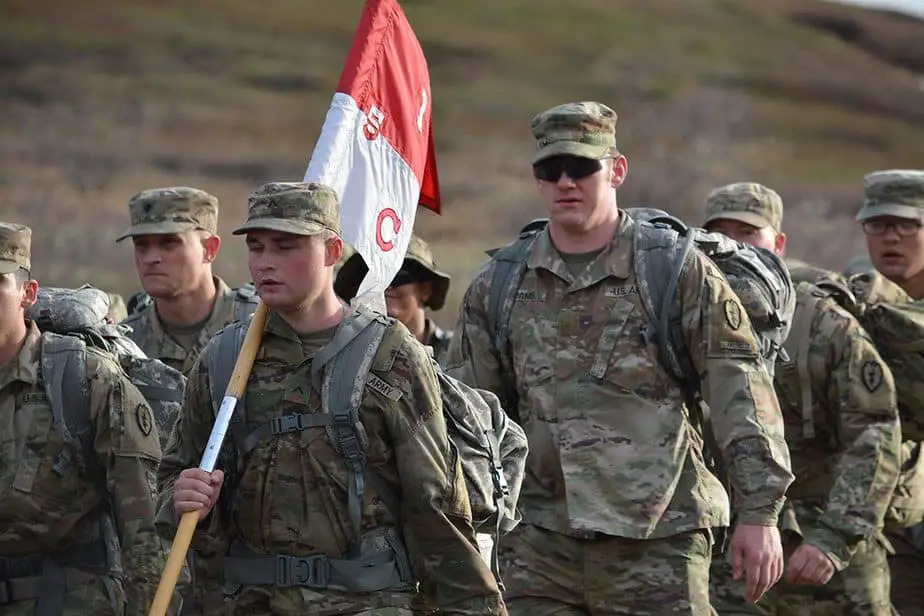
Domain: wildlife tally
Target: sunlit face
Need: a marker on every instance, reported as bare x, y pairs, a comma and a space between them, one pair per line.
896, 246
760, 237
172, 264
16, 296
579, 192
291, 271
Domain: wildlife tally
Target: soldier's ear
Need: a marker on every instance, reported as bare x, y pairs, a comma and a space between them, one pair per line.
333, 250
211, 244
30, 294
779, 244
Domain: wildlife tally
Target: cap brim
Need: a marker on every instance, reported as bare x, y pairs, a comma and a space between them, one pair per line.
890, 209
571, 148
157, 228
354, 270
278, 224
748, 218
8, 267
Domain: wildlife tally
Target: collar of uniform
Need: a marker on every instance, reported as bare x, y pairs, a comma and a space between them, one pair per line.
615, 259
223, 306
24, 367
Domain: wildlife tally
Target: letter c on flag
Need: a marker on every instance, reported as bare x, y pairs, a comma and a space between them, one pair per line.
387, 214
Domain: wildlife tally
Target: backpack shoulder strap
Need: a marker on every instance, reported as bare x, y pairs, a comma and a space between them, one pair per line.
343, 366
245, 301
509, 267
797, 345
221, 360
661, 253
64, 375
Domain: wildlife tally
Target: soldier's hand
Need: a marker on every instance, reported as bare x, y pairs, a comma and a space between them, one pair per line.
808, 565
196, 490
757, 554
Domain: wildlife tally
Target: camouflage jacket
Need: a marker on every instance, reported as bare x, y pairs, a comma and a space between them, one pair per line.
438, 339
50, 509
148, 332
291, 496
617, 455
846, 445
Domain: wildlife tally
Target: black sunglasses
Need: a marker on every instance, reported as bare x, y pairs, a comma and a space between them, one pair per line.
550, 169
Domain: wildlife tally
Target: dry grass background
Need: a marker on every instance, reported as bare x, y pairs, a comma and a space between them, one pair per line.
103, 98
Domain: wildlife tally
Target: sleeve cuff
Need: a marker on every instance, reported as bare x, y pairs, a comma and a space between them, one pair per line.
760, 516
838, 551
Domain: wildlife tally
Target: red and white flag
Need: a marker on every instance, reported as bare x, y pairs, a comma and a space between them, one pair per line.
376, 145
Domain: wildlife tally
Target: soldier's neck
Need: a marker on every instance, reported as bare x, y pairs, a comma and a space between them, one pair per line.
11, 342
191, 307
579, 241
316, 315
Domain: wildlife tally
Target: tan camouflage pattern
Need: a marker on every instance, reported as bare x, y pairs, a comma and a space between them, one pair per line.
43, 511
149, 333
302, 208
847, 466
15, 247
549, 574
896, 192
164, 211
639, 472
862, 589
748, 202
292, 498
586, 129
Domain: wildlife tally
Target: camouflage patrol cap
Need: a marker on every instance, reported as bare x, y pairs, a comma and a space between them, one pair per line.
15, 247
418, 266
586, 129
164, 211
748, 202
301, 208
895, 192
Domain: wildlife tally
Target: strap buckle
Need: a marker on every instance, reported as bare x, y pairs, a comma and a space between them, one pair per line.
309, 571
287, 423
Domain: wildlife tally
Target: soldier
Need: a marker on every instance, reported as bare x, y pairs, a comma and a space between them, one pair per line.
617, 503
417, 286
843, 434
289, 496
77, 529
175, 233
892, 216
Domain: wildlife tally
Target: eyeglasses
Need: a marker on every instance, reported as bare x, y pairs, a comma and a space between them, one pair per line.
550, 169
904, 228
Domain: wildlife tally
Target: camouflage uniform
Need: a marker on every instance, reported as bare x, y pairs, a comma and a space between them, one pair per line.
617, 502
844, 439
899, 193
419, 266
86, 542
289, 494
177, 210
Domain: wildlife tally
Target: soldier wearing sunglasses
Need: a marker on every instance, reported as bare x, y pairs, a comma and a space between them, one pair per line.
617, 503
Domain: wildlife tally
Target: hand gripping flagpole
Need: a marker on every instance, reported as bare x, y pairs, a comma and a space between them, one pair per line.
190, 519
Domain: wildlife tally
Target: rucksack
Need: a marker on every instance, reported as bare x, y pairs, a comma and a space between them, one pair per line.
663, 246
245, 300
896, 326
491, 447
72, 320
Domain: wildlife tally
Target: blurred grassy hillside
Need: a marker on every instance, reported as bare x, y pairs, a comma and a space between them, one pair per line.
103, 98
